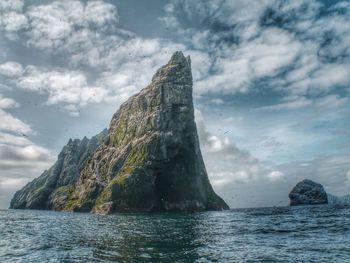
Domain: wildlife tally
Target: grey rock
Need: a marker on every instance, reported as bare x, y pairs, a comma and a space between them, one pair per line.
150, 159
308, 192
50, 190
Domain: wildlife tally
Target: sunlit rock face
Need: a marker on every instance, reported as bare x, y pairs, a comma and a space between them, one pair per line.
150, 159
308, 192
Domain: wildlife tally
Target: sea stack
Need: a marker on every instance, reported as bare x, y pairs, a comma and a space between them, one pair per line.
150, 159
308, 192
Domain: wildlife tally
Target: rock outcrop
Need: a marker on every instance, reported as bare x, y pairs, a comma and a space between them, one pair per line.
51, 188
150, 159
308, 192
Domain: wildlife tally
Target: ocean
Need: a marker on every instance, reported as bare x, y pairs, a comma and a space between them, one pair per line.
280, 234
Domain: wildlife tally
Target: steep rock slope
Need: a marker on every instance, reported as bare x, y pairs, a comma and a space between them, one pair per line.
50, 190
151, 160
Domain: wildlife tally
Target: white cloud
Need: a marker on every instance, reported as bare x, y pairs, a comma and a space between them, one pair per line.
253, 41
11, 69
297, 102
7, 103
11, 182
68, 87
238, 177
233, 119
10, 139
15, 156
11, 5
275, 175
11, 18
14, 21
330, 171
12, 124
20, 162
330, 101
20, 158
294, 103
225, 162
8, 122
216, 101
243, 180
53, 26
325, 78
87, 34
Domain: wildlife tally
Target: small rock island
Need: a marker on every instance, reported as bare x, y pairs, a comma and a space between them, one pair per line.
148, 160
308, 192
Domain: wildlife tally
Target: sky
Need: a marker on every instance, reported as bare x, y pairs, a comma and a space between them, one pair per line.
271, 85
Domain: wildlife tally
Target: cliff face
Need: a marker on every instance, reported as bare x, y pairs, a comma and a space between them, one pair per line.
308, 192
50, 190
150, 160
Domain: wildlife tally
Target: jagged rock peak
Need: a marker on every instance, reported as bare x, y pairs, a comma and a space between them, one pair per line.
50, 189
178, 70
150, 159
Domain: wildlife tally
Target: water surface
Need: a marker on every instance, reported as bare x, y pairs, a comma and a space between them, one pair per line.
300, 234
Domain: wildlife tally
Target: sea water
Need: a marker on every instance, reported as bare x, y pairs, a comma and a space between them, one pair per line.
284, 234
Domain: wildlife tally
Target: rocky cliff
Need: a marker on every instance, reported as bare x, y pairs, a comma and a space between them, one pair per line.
150, 159
50, 189
308, 192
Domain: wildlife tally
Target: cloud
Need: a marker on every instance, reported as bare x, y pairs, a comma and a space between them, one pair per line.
130, 68
275, 175
294, 47
81, 32
20, 162
245, 181
222, 155
11, 69
14, 21
11, 18
62, 87
88, 37
53, 26
7, 103
20, 158
240, 178
14, 140
216, 101
11, 5
7, 188
331, 171
72, 90
299, 102
10, 123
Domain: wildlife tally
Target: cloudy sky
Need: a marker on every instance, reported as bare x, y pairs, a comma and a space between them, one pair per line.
271, 85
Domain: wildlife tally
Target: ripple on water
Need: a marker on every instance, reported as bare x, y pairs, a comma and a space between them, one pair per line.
301, 234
